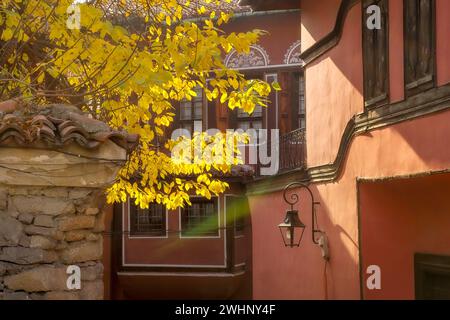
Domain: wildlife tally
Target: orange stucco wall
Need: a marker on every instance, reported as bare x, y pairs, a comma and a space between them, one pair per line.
402, 149
333, 95
317, 20
398, 219
334, 92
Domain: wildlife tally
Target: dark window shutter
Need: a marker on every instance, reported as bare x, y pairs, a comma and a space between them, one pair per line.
419, 34
375, 56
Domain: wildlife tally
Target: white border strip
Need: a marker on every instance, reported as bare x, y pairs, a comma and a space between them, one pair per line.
182, 274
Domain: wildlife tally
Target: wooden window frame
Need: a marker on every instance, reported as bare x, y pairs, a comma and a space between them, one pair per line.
379, 66
429, 81
186, 232
134, 212
301, 87
193, 118
428, 263
243, 117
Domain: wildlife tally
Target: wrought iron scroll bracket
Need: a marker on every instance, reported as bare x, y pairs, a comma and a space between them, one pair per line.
294, 199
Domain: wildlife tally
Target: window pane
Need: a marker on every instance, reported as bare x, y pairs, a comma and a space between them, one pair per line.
244, 125
148, 222
257, 113
198, 110
301, 123
186, 110
200, 219
302, 85
257, 125
187, 126
199, 92
302, 109
242, 113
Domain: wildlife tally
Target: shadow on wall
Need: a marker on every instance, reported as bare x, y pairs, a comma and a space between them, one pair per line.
301, 273
400, 218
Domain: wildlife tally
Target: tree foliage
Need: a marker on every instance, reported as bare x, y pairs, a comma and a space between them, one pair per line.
129, 64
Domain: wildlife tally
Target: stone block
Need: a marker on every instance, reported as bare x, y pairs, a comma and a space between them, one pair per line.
16, 295
41, 279
26, 218
24, 256
76, 223
76, 235
81, 252
10, 230
42, 231
78, 193
61, 295
42, 205
91, 211
55, 192
92, 273
100, 222
12, 268
61, 245
93, 237
2, 269
3, 199
42, 242
92, 290
44, 221
25, 241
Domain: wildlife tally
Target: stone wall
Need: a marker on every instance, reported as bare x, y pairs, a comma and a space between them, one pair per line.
55, 166
43, 230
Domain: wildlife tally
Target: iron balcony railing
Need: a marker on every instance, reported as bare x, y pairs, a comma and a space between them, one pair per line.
293, 150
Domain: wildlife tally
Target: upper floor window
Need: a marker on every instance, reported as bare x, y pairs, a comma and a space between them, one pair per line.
201, 219
375, 54
191, 111
148, 222
250, 121
297, 102
301, 110
419, 33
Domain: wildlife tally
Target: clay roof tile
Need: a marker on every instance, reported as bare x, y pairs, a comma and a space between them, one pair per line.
58, 125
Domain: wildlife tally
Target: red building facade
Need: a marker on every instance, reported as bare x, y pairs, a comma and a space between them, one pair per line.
376, 125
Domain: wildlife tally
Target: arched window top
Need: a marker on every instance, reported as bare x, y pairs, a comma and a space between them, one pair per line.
257, 57
292, 55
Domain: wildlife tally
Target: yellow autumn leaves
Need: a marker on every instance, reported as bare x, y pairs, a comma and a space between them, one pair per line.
130, 64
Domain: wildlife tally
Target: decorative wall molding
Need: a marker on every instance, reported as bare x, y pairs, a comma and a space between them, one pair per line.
292, 55
257, 57
432, 101
332, 39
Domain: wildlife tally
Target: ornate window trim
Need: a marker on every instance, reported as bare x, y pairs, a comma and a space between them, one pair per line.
292, 55
257, 57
